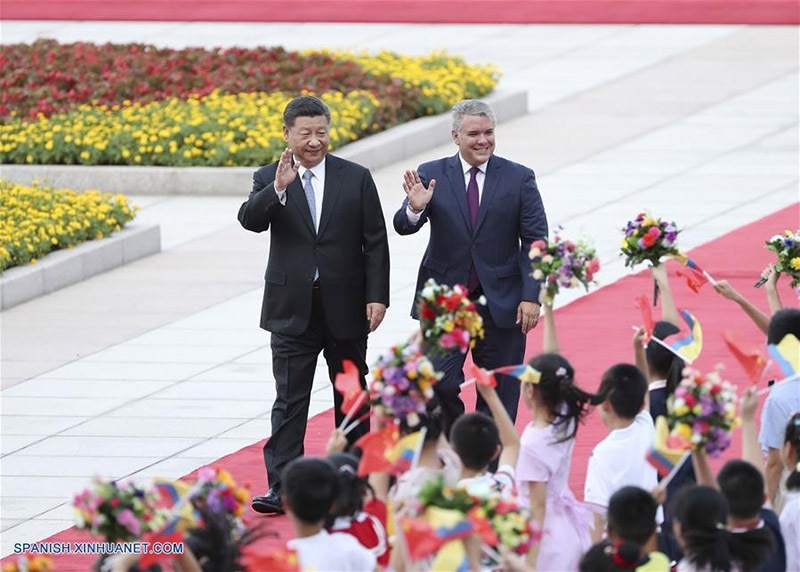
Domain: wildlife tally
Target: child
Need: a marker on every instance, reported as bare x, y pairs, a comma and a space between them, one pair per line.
557, 406
631, 435
631, 536
701, 516
478, 439
790, 515
356, 511
310, 489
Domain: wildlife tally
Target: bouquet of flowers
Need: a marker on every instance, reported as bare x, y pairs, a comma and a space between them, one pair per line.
402, 383
220, 493
29, 563
510, 524
787, 247
648, 239
563, 264
436, 493
702, 412
449, 319
119, 512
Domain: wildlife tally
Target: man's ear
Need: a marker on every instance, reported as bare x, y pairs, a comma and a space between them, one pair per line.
455, 137
285, 133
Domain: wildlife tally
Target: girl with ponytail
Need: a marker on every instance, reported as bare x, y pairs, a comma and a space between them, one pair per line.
557, 406
700, 525
790, 515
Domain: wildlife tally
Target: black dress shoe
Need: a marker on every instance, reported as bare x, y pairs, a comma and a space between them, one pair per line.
268, 504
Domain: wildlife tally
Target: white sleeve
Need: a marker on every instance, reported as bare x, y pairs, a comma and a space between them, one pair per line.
504, 477
413, 218
363, 559
281, 196
596, 490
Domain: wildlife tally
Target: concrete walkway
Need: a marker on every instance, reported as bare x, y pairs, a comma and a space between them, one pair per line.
159, 367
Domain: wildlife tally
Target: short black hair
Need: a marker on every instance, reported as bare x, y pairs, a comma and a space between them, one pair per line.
783, 322
310, 486
603, 557
625, 387
743, 487
632, 514
475, 438
305, 106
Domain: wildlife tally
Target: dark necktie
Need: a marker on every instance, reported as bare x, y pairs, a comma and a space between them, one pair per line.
472, 201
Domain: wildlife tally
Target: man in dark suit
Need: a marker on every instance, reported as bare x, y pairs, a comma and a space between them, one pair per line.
484, 214
327, 279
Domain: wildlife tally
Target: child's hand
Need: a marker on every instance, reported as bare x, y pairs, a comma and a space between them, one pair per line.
336, 443
660, 494
512, 562
639, 338
772, 276
724, 287
659, 272
749, 404
416, 337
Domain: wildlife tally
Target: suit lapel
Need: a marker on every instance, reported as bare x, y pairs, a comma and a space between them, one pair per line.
333, 184
297, 197
456, 176
490, 182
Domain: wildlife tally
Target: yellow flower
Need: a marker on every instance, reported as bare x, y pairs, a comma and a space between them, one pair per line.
684, 430
795, 262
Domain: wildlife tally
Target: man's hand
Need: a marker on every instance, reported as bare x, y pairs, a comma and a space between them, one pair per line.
375, 313
528, 315
418, 195
286, 171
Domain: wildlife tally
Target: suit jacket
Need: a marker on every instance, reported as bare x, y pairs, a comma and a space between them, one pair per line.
511, 216
350, 249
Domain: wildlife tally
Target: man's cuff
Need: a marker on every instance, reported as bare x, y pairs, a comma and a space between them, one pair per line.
281, 196
413, 218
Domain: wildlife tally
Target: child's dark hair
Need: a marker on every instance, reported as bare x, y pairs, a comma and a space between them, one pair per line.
311, 485
743, 487
566, 402
352, 488
703, 513
792, 437
632, 515
611, 557
783, 322
662, 362
475, 438
625, 387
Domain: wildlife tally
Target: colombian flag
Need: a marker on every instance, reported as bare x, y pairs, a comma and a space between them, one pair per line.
404, 454
661, 455
787, 354
689, 346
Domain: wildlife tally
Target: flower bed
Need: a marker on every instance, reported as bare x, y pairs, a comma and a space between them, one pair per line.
36, 220
138, 105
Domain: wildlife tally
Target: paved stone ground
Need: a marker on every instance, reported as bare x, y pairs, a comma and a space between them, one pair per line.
159, 367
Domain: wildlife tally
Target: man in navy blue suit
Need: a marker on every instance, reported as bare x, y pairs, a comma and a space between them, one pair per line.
484, 212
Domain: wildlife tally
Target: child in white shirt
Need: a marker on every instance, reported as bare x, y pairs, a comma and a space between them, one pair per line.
619, 459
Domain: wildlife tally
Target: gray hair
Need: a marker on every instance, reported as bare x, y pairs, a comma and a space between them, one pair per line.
471, 107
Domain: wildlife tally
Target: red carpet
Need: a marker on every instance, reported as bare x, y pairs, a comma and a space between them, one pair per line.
595, 333
417, 11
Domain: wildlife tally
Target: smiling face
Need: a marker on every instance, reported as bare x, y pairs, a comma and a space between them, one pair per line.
308, 139
475, 139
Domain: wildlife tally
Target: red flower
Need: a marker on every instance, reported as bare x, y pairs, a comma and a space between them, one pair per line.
594, 265
654, 231
648, 240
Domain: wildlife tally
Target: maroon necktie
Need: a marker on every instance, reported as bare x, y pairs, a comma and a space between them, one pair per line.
472, 201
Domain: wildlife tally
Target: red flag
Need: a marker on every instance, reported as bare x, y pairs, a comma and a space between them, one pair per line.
421, 539
695, 279
751, 357
151, 558
280, 560
348, 383
376, 447
482, 526
482, 376
648, 323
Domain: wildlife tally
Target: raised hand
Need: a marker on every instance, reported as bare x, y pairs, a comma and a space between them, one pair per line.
286, 171
418, 195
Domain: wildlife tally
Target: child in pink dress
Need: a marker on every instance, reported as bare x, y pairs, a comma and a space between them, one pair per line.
543, 466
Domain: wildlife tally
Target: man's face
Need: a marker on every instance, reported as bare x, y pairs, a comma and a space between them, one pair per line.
475, 139
308, 139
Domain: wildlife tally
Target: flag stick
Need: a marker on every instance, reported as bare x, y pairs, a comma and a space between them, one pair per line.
354, 424
666, 480
668, 347
492, 553
359, 402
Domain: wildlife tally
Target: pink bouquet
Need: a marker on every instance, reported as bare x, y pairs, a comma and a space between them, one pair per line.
449, 319
563, 264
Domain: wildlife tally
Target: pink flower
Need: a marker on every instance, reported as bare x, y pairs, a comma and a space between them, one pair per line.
127, 519
654, 231
539, 244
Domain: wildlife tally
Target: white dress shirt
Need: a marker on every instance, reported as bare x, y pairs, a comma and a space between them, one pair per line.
317, 181
480, 177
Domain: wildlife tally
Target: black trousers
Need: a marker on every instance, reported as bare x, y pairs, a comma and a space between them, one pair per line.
294, 360
499, 347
